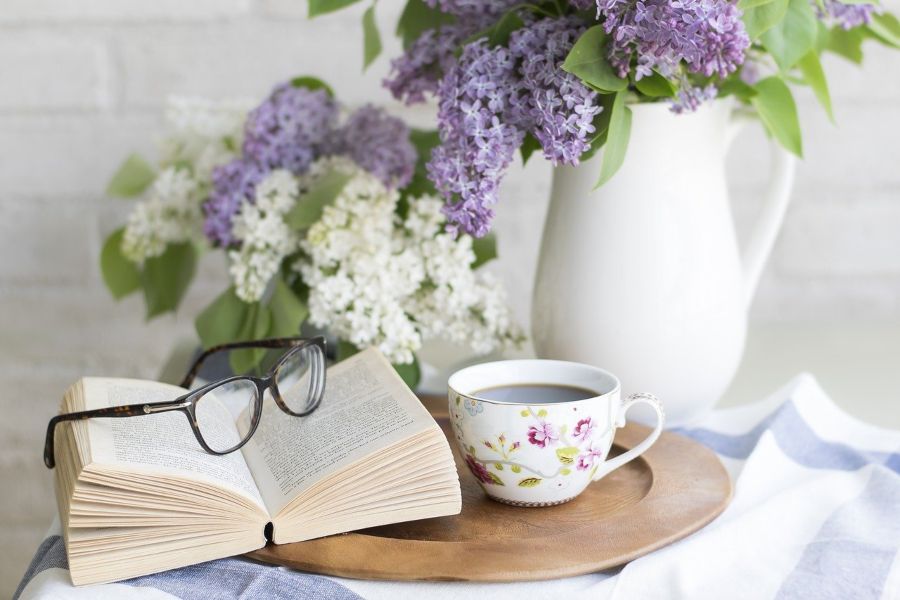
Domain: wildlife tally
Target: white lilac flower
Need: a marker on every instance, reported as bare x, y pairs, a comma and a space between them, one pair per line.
202, 133
199, 135
265, 239
376, 281
169, 214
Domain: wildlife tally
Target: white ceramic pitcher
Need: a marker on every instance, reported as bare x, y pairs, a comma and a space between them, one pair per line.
643, 276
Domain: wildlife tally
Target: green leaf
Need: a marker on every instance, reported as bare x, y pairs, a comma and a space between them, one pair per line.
528, 147
312, 84
759, 19
288, 311
794, 36
321, 7
587, 61
308, 208
131, 179
747, 4
601, 126
775, 105
530, 482
567, 455
371, 37
165, 278
222, 320
516, 469
846, 43
417, 18
257, 321
616, 139
410, 373
120, 275
885, 28
524, 413
542, 413
734, 86
345, 350
424, 141
494, 479
655, 86
498, 466
565, 471
485, 249
812, 71
499, 33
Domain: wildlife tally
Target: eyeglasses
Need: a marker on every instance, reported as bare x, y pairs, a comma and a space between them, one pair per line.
296, 383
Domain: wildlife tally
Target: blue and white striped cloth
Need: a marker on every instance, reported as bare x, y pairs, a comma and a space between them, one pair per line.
816, 514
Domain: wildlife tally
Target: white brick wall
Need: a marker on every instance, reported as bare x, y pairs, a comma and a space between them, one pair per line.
81, 84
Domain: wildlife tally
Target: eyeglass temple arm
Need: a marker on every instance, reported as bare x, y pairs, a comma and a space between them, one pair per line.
266, 343
131, 410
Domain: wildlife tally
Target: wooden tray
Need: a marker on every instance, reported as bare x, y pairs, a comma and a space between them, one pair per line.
672, 490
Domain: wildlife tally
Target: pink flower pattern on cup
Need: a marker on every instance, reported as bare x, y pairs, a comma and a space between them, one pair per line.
480, 471
583, 430
592, 457
543, 434
579, 447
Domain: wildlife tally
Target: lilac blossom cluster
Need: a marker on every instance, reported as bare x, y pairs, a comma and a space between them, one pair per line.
463, 8
557, 108
377, 142
490, 98
293, 127
285, 131
689, 97
708, 36
477, 141
418, 71
845, 16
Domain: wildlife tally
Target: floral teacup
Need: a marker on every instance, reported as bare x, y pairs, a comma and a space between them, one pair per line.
541, 453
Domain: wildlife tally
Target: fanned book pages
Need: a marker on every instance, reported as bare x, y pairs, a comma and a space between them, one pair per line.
139, 495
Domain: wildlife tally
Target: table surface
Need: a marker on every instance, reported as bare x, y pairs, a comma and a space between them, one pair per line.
858, 364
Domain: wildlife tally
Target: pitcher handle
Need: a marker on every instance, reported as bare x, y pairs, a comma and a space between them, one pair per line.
775, 203
639, 398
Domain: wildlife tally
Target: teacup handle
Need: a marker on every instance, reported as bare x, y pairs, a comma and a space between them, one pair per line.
639, 398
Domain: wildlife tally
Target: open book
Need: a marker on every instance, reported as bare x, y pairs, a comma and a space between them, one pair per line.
139, 495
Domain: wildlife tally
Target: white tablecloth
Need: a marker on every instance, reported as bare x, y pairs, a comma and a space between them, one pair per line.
816, 514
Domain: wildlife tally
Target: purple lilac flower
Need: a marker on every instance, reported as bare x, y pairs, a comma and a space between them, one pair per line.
707, 35
418, 70
477, 143
557, 107
490, 98
379, 143
232, 183
472, 7
752, 70
283, 131
690, 97
845, 16
292, 128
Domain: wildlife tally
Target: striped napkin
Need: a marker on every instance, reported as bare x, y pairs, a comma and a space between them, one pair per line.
816, 514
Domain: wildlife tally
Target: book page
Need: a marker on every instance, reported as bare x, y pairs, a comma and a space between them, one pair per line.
163, 442
365, 408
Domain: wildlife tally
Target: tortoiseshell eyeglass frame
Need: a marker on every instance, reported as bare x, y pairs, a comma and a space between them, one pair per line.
188, 402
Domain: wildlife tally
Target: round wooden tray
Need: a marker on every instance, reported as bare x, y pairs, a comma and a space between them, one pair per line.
672, 490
